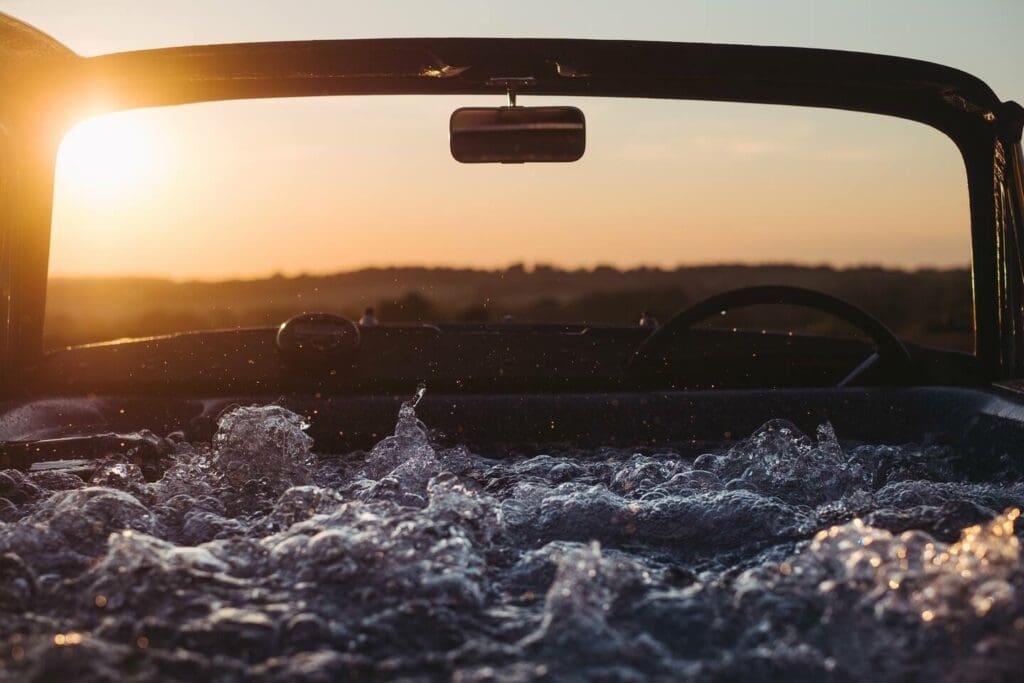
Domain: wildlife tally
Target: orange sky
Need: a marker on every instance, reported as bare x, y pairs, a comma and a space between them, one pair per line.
317, 185
249, 188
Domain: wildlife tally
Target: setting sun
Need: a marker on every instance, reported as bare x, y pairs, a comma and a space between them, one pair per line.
110, 157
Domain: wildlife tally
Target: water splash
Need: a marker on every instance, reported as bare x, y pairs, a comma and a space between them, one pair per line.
262, 442
421, 391
402, 464
778, 556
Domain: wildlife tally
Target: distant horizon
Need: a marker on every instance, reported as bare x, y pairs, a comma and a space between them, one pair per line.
930, 305
527, 267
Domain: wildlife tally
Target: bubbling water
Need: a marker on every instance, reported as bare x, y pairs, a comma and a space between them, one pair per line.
779, 556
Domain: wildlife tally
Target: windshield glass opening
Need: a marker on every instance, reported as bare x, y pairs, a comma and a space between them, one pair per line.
240, 214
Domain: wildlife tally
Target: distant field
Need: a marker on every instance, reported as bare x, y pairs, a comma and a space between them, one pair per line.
929, 306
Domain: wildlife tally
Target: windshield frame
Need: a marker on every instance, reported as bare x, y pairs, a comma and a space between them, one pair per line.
51, 90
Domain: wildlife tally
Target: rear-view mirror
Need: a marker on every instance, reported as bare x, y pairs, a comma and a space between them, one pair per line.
516, 135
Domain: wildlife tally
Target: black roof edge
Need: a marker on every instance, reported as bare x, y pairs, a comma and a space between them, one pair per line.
47, 74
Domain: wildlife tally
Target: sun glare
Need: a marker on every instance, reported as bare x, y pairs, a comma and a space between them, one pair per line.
111, 157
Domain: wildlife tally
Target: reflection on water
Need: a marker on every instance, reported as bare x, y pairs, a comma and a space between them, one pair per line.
780, 556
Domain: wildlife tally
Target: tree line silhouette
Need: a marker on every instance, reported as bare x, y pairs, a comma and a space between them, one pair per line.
931, 306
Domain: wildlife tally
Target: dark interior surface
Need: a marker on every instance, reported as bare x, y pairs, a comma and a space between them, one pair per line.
497, 388
987, 426
482, 358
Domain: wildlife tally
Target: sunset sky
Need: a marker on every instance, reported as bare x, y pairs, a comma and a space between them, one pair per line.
317, 185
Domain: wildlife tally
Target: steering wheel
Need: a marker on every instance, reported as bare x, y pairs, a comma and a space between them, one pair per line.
888, 347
